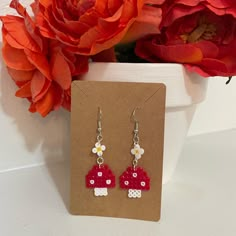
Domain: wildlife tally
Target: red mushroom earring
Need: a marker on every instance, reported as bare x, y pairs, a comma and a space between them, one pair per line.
135, 179
100, 177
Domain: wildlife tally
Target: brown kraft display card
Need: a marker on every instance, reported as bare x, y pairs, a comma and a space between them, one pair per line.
117, 101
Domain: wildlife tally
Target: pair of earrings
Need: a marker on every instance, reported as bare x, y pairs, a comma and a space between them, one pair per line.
100, 177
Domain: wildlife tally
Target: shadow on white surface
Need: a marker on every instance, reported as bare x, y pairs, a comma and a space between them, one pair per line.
60, 176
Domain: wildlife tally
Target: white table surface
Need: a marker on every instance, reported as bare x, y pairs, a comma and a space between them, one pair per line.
200, 200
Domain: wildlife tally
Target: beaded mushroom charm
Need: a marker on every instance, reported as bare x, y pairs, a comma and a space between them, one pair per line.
135, 179
100, 177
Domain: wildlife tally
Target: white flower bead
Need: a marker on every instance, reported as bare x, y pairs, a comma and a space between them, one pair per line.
99, 149
137, 151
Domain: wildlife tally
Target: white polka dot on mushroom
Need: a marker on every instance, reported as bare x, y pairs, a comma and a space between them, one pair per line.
135, 175
143, 183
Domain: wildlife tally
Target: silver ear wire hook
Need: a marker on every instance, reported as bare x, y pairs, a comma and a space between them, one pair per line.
99, 123
136, 126
135, 120
99, 119
134, 114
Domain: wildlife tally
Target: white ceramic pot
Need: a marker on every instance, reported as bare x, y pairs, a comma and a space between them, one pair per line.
184, 91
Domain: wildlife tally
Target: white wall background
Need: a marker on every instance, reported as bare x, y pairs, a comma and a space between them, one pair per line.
27, 139
218, 111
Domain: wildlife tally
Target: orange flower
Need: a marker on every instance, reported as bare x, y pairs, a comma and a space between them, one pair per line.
41, 68
88, 27
147, 22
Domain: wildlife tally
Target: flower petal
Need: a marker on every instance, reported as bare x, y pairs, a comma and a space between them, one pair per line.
97, 144
141, 151
133, 151
29, 25
94, 150
170, 53
60, 70
51, 101
103, 147
16, 58
40, 61
24, 91
138, 155
99, 153
147, 23
16, 32
39, 86
20, 75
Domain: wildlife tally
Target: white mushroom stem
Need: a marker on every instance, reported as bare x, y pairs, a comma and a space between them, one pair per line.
134, 193
100, 192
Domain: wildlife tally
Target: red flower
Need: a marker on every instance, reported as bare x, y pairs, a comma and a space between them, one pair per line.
199, 34
41, 68
88, 26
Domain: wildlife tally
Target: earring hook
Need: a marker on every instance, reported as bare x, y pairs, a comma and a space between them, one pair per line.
99, 119
134, 118
99, 113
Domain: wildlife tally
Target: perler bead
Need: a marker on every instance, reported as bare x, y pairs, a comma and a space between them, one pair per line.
99, 149
137, 151
100, 192
100, 178
134, 193
135, 180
